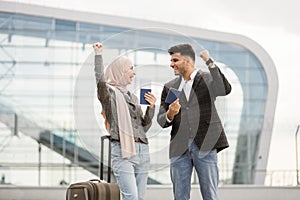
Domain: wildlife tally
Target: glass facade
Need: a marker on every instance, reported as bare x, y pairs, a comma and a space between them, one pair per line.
48, 97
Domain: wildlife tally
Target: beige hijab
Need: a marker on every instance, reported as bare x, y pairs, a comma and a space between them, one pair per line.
115, 79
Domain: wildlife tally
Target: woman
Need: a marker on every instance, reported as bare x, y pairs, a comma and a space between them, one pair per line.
126, 124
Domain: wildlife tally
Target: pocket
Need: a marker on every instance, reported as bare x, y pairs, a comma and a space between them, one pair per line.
144, 153
214, 125
115, 149
116, 156
210, 157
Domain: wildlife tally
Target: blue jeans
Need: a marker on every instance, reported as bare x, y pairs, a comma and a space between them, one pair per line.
206, 167
131, 174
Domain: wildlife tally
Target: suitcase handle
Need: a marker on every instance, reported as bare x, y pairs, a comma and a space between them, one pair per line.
96, 180
102, 156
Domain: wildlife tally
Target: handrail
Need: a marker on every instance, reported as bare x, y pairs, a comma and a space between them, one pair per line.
297, 167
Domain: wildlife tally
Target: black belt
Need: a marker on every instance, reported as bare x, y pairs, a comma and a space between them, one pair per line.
114, 140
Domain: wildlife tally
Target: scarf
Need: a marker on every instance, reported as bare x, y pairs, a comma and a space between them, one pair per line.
115, 79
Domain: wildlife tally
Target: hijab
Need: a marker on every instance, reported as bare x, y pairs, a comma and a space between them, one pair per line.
116, 79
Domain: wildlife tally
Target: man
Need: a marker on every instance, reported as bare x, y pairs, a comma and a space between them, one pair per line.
197, 133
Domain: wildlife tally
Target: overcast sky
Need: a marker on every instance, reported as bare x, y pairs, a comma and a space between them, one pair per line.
273, 24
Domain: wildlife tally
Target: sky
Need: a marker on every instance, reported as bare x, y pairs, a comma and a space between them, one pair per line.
273, 24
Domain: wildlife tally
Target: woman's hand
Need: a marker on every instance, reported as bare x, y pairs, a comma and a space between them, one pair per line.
150, 98
106, 123
98, 47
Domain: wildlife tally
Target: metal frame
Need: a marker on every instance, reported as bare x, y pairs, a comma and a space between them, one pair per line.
172, 30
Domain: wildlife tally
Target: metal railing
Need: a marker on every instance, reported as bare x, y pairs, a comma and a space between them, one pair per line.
297, 166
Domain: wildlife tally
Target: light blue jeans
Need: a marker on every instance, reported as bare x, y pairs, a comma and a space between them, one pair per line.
132, 174
206, 167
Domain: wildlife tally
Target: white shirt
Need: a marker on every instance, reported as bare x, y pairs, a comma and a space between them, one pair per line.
186, 86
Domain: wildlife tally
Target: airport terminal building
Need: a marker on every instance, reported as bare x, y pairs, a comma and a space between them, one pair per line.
50, 117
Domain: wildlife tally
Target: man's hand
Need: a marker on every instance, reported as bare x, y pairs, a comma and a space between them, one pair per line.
174, 109
150, 98
98, 47
204, 55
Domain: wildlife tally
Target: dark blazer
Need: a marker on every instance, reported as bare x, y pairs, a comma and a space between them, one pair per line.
198, 117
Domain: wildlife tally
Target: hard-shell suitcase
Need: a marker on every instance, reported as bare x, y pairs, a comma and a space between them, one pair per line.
95, 189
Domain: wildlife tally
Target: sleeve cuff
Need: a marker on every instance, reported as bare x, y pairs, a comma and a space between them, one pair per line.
213, 66
168, 120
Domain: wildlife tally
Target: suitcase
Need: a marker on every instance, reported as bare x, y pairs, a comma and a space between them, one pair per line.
95, 189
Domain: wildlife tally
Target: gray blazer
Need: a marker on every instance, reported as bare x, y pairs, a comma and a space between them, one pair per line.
140, 123
198, 117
